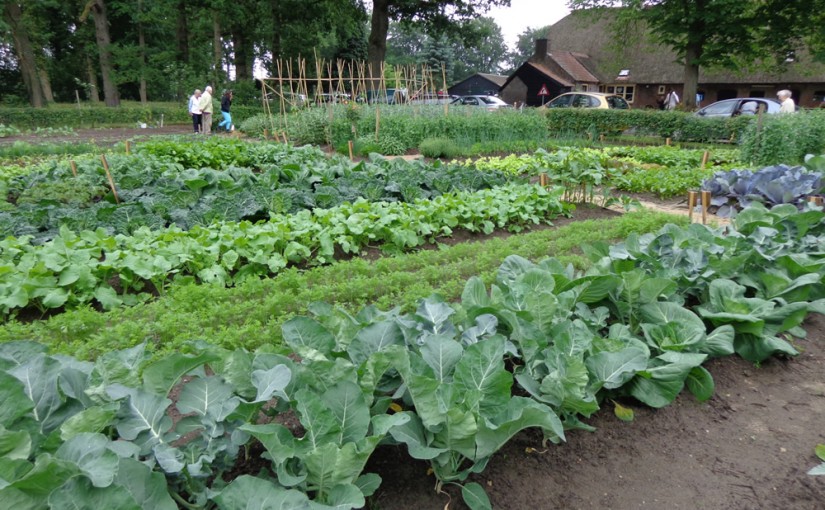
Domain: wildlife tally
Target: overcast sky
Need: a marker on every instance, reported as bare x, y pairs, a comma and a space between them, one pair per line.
527, 13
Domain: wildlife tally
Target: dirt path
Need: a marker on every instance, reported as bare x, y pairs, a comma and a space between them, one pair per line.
101, 136
749, 447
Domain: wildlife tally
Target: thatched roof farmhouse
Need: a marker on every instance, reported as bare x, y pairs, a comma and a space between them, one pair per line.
583, 52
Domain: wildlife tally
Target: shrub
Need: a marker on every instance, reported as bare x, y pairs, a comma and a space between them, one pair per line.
439, 148
255, 125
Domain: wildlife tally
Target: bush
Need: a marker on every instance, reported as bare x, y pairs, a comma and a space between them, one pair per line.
667, 124
439, 148
255, 125
784, 139
94, 116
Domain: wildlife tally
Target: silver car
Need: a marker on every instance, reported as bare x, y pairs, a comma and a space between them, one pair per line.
739, 106
488, 102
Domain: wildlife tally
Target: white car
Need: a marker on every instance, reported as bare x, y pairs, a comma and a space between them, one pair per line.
488, 102
739, 106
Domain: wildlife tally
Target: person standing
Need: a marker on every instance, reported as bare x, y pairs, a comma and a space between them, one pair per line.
671, 100
226, 103
787, 104
195, 111
205, 105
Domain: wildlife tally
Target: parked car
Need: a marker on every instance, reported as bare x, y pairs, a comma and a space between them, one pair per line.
488, 102
588, 100
431, 98
739, 106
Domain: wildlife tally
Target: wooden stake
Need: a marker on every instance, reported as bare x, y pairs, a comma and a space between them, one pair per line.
285, 140
692, 196
667, 141
349, 143
74, 167
705, 204
705, 158
818, 201
109, 176
128, 147
543, 179
266, 134
377, 121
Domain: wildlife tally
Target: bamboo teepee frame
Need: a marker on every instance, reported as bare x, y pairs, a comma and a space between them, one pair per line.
294, 86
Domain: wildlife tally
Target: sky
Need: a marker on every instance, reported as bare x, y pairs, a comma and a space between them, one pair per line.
527, 13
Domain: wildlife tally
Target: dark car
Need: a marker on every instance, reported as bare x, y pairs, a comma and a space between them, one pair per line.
739, 106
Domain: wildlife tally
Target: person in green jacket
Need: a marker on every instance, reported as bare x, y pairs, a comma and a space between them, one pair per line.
206, 110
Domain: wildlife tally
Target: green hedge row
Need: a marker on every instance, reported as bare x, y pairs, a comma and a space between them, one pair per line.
784, 138
102, 116
667, 124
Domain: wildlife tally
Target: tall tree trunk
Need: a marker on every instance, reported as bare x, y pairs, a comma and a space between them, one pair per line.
25, 53
94, 92
104, 42
277, 22
142, 46
691, 78
218, 47
45, 84
182, 33
241, 45
377, 43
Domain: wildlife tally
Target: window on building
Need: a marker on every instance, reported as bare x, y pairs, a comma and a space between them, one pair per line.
819, 96
625, 91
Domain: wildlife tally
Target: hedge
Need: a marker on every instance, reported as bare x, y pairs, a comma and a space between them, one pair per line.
102, 116
784, 138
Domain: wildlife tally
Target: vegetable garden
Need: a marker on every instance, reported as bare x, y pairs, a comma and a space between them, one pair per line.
194, 326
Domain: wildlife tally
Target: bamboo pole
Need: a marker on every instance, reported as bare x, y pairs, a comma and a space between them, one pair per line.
705, 205
109, 176
705, 158
349, 144
692, 196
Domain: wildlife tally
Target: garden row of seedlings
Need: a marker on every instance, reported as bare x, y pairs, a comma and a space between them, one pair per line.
182, 430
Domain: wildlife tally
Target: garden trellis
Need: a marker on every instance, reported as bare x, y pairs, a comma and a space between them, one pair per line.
300, 83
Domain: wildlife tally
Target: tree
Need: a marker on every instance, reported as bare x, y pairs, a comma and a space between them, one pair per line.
526, 46
98, 10
480, 50
439, 15
23, 48
710, 33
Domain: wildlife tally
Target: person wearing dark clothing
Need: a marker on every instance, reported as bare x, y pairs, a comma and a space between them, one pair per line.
226, 103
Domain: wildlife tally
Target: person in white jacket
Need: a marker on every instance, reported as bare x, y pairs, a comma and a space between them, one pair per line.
195, 111
671, 100
787, 105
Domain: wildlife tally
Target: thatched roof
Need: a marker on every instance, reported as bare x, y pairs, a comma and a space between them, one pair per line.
590, 33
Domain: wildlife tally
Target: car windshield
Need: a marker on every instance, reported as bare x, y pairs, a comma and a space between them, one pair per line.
561, 101
617, 102
720, 108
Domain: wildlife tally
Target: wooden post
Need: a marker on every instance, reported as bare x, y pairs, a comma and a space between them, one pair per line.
543, 179
74, 167
128, 147
285, 140
705, 158
705, 204
692, 196
349, 143
109, 176
77, 96
667, 141
266, 134
817, 201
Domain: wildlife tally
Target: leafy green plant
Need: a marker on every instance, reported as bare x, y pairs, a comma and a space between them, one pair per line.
439, 148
